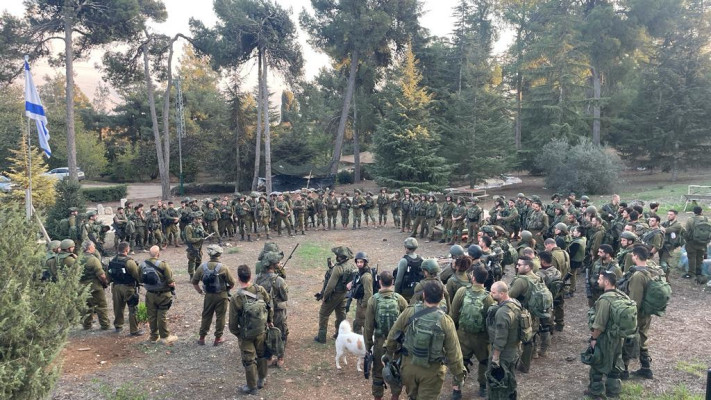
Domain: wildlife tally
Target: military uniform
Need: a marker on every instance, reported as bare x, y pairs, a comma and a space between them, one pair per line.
123, 290
551, 276
120, 226
194, 237
576, 250
226, 223
154, 228
638, 279
610, 364
211, 216
474, 216
159, 300
300, 209
253, 351
57, 264
383, 202
96, 302
214, 303
334, 296
395, 210
445, 304
407, 208
375, 336
264, 214
357, 205
172, 217
694, 249
362, 290
419, 211
331, 204
278, 290
537, 223
521, 290
502, 324
139, 238
446, 211
282, 211
473, 344
432, 214
422, 368
344, 205
320, 208
597, 268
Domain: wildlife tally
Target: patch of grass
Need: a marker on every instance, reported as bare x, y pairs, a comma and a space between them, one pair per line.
142, 313
634, 391
127, 391
662, 193
312, 254
631, 391
233, 250
694, 368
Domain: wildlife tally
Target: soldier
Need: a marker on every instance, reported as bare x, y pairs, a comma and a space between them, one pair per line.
446, 211
673, 238
521, 290
624, 256
469, 309
654, 237
595, 235
299, 207
282, 210
64, 259
320, 207
432, 215
395, 209
576, 250
194, 237
456, 225
159, 284
409, 271
53, 250
609, 211
211, 216
452, 270
95, 277
429, 341
217, 282
120, 225
332, 206
430, 269
383, 202
172, 218
226, 223
185, 218
537, 223
555, 282
139, 222
561, 261
382, 312
344, 205
361, 289
264, 215
334, 291
474, 218
698, 234
251, 331
419, 211
602, 337
74, 230
87, 230
154, 227
509, 219
276, 286
358, 204
502, 324
245, 213
124, 276
406, 207
369, 209
605, 263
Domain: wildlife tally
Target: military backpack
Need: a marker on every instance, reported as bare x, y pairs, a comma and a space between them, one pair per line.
457, 283
471, 317
253, 319
274, 343
424, 337
623, 317
525, 322
657, 294
701, 231
540, 299
413, 273
387, 310
211, 279
152, 276
119, 273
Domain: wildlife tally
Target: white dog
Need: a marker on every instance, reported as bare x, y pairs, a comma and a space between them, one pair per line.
349, 342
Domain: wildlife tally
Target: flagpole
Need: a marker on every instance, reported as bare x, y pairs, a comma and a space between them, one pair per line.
28, 193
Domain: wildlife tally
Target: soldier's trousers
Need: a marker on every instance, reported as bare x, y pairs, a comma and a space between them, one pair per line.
214, 304
157, 238
120, 295
633, 348
406, 221
369, 216
264, 223
157, 306
172, 234
335, 303
281, 218
331, 216
528, 349
382, 215
255, 365
194, 259
246, 226
321, 219
611, 366
357, 215
378, 387
359, 319
509, 392
475, 347
559, 312
96, 304
419, 223
299, 219
696, 258
447, 229
281, 323
396, 217
181, 227
344, 218
422, 383
225, 227
139, 238
473, 232
430, 224
213, 227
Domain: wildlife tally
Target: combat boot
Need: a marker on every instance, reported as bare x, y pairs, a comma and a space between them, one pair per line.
218, 341
456, 395
625, 374
482, 391
646, 371
249, 238
201, 341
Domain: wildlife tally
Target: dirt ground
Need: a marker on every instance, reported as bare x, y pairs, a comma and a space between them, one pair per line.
103, 364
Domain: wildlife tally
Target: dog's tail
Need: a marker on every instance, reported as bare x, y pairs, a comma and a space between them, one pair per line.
344, 327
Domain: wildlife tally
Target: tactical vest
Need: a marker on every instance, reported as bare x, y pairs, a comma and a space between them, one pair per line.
119, 272
424, 338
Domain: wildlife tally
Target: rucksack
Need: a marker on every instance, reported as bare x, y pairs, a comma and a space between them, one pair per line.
211, 279
424, 336
413, 273
387, 311
268, 282
656, 295
457, 284
471, 317
701, 231
510, 254
118, 272
253, 319
540, 299
623, 317
525, 322
152, 280
274, 343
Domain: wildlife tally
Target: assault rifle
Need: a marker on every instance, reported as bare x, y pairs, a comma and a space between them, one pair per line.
291, 255
588, 287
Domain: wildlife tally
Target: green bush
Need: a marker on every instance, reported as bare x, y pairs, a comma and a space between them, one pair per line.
344, 177
204, 188
105, 194
142, 313
69, 194
581, 168
35, 316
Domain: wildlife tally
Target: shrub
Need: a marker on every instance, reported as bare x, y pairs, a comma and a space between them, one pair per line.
35, 317
582, 168
344, 177
142, 313
204, 188
68, 195
105, 194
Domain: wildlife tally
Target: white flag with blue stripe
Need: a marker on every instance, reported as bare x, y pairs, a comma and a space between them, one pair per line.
34, 110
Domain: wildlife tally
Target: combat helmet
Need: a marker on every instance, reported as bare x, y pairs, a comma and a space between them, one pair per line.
526, 236
343, 251
54, 245
66, 244
431, 266
561, 227
272, 257
475, 251
214, 250
629, 236
456, 251
411, 243
361, 256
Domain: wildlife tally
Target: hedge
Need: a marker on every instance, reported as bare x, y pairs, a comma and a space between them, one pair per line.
204, 188
105, 194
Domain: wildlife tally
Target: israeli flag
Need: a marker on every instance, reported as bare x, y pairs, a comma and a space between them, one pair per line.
34, 110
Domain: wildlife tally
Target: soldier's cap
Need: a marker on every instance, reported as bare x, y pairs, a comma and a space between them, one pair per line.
90, 214
521, 196
72, 209
357, 191
273, 257
556, 196
536, 197
585, 197
369, 194
66, 244
343, 251
55, 244
196, 214
214, 249
254, 195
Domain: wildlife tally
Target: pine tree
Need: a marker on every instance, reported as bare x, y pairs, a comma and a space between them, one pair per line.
405, 141
68, 195
35, 317
42, 185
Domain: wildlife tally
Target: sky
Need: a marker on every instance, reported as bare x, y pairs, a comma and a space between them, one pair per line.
437, 18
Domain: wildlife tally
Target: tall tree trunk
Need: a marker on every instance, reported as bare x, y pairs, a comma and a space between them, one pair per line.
69, 61
165, 179
154, 119
338, 146
267, 136
258, 139
519, 100
596, 106
675, 166
238, 170
356, 143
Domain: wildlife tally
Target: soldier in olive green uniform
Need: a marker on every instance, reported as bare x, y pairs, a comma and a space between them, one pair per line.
172, 217
357, 204
299, 207
553, 279
155, 227
602, 337
54, 266
245, 218
125, 276
382, 307
624, 256
276, 286
408, 270
419, 210
502, 324
334, 291
211, 216
446, 211
282, 210
216, 293
395, 209
320, 207
120, 224
471, 328
673, 238
344, 205
253, 350
95, 277
537, 223
226, 223
695, 249
431, 271
159, 297
331, 204
139, 222
74, 229
604, 263
406, 207
474, 216
383, 203
264, 214
430, 340
521, 290
432, 215
194, 237
369, 209
362, 289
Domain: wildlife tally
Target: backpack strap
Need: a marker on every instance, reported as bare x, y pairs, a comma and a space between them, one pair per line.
248, 294
156, 266
421, 313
